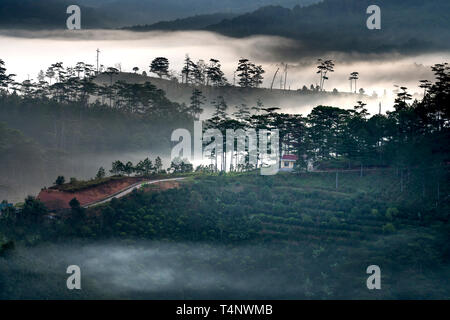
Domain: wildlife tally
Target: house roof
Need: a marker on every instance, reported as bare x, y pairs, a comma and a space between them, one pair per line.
7, 205
292, 157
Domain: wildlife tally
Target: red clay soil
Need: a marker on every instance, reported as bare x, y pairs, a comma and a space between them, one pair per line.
161, 186
55, 199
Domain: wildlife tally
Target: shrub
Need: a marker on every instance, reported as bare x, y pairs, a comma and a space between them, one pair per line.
59, 181
388, 228
392, 212
6, 248
334, 221
306, 218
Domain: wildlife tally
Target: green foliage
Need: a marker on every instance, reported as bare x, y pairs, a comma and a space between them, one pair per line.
179, 165
126, 116
101, 173
304, 220
389, 216
307, 219
158, 164
308, 210
197, 100
391, 213
77, 218
334, 221
6, 248
389, 228
250, 75
21, 159
236, 206
160, 66
60, 180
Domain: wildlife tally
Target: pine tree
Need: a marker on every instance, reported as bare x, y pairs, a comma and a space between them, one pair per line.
197, 100
215, 75
160, 66
101, 173
158, 165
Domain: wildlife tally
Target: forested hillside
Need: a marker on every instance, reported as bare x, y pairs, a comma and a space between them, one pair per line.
378, 194
308, 235
32, 14
315, 239
65, 131
292, 101
151, 11
340, 25
49, 14
191, 23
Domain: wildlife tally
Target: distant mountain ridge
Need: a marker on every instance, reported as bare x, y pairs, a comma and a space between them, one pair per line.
330, 25
138, 12
413, 25
48, 14
191, 23
340, 25
51, 14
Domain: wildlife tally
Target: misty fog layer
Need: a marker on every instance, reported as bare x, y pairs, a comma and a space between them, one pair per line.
26, 53
378, 72
153, 270
158, 270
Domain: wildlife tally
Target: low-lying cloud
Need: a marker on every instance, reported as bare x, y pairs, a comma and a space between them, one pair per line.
152, 270
130, 49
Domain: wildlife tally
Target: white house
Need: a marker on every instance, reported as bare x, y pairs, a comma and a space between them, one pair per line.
288, 162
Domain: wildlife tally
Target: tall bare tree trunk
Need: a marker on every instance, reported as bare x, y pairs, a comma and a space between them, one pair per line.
273, 80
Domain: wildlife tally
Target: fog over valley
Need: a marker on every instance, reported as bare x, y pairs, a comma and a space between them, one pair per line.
378, 72
224, 149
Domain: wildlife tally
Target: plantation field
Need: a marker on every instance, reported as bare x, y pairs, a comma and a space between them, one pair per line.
242, 235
